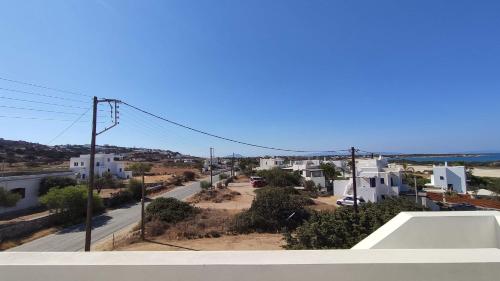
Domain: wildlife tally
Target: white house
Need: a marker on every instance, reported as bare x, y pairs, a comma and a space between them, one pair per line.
309, 170
27, 186
375, 180
269, 163
449, 178
109, 163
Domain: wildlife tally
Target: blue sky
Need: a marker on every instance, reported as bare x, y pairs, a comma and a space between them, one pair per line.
402, 76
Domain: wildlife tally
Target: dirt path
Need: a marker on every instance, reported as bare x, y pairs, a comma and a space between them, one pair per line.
248, 242
239, 202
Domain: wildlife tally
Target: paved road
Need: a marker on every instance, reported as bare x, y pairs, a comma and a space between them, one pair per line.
72, 239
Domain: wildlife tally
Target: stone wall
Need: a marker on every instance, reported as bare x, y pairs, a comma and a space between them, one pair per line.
21, 228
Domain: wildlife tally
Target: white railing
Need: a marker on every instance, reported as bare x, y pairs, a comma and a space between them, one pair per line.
362, 265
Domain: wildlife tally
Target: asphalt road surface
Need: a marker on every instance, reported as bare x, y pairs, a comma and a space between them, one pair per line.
72, 239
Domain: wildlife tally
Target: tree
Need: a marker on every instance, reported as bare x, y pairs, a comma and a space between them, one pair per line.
341, 229
280, 178
106, 181
69, 203
272, 210
8, 199
169, 210
54, 182
141, 168
329, 171
189, 175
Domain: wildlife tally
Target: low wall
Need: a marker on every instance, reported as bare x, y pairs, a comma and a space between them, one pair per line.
21, 228
349, 265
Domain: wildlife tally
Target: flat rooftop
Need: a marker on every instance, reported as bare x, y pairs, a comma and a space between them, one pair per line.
437, 230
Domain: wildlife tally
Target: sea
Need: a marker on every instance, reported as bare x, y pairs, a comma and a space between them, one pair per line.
487, 157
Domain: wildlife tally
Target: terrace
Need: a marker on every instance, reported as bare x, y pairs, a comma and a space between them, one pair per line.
412, 246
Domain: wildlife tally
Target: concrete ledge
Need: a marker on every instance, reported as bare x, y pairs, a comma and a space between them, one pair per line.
437, 230
386, 265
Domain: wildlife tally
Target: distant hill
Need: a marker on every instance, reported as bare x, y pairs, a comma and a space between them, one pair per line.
14, 151
236, 155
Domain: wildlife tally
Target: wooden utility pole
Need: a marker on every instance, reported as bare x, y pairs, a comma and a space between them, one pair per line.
143, 188
90, 193
232, 166
416, 190
211, 168
354, 189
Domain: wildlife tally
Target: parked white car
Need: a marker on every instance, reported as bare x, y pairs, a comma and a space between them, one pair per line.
349, 201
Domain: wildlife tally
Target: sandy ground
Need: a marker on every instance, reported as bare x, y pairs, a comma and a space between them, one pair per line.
246, 242
328, 203
479, 171
239, 202
155, 179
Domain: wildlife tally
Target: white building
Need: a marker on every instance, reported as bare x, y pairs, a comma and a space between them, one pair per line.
375, 180
269, 163
451, 178
104, 163
309, 170
27, 186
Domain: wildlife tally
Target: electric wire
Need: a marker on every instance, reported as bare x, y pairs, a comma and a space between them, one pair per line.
225, 138
43, 87
68, 127
39, 94
46, 103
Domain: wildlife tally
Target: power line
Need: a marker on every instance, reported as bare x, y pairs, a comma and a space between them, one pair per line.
67, 128
44, 87
36, 118
39, 110
41, 102
39, 94
224, 138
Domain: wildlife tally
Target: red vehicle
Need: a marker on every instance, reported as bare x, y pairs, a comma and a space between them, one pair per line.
257, 182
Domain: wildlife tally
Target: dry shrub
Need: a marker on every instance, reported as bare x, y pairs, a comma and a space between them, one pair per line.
214, 195
207, 223
156, 228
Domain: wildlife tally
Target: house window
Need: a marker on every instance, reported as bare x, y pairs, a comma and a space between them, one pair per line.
75, 164
120, 170
373, 182
441, 178
109, 159
97, 164
382, 181
20, 191
392, 182
83, 176
82, 164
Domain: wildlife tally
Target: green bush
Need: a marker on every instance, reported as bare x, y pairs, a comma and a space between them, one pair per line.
57, 182
120, 198
223, 176
107, 181
340, 229
205, 185
189, 176
8, 199
135, 188
70, 203
272, 210
169, 210
280, 178
309, 186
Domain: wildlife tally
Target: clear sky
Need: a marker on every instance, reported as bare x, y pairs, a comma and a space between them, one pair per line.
394, 76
